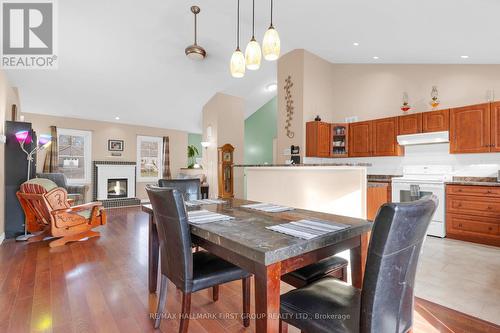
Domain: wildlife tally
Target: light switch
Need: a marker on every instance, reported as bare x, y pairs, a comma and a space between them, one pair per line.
3, 138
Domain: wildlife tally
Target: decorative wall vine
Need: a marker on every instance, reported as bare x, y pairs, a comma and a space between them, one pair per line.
289, 107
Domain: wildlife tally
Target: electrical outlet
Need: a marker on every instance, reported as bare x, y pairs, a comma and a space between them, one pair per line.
3, 138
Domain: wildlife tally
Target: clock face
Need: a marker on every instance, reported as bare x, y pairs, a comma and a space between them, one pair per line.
227, 157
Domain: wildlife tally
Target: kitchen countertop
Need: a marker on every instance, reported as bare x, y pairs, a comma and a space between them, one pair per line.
302, 165
381, 178
474, 181
378, 184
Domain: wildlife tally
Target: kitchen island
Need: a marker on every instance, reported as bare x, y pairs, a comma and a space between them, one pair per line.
334, 188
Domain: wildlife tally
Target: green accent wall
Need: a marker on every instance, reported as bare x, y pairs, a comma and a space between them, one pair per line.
195, 139
260, 130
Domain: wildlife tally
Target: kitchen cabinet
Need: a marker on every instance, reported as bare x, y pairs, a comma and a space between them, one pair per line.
473, 213
495, 127
360, 142
339, 139
374, 138
410, 124
377, 195
470, 129
436, 121
384, 133
318, 139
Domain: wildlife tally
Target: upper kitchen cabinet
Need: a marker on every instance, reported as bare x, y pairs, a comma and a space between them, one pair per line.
318, 139
436, 121
495, 127
470, 129
410, 124
384, 141
360, 142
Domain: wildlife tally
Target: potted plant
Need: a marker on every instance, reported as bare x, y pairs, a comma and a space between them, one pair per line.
192, 153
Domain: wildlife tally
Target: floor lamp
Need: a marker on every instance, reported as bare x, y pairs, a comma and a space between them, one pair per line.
24, 137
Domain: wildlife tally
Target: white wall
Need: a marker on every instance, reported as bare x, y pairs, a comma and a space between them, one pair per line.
480, 165
225, 115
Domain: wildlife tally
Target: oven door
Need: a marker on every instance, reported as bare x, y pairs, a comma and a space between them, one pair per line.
406, 192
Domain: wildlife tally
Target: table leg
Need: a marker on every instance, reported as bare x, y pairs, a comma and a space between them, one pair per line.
154, 250
267, 298
358, 261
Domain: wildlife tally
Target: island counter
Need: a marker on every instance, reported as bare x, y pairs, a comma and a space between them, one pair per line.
335, 189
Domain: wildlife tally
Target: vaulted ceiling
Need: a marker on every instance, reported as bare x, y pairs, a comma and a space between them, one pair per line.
126, 58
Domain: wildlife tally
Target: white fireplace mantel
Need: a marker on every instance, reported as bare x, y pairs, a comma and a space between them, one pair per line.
112, 171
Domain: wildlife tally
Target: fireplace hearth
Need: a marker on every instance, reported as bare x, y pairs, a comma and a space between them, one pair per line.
117, 188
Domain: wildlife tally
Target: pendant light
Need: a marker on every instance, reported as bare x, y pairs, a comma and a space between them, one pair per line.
253, 54
238, 59
195, 51
271, 44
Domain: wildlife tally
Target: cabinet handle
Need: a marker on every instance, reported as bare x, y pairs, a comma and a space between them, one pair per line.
460, 225
488, 192
459, 190
490, 208
490, 228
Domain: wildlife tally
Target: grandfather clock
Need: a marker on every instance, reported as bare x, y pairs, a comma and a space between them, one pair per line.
226, 181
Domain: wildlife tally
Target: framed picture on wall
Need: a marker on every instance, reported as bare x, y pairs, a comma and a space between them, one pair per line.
115, 145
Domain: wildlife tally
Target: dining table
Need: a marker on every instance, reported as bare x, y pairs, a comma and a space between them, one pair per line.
245, 241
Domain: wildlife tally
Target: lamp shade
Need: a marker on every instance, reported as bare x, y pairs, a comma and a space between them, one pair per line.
45, 140
253, 55
23, 137
237, 64
271, 45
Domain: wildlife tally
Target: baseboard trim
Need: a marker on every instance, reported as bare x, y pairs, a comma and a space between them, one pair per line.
2, 237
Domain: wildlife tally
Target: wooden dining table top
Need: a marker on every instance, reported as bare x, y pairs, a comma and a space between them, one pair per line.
247, 235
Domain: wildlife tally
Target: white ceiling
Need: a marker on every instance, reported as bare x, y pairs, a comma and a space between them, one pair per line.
126, 58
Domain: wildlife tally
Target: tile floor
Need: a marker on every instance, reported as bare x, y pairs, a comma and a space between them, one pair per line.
462, 276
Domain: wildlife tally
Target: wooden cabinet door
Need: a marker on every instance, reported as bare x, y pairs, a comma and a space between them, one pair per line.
470, 129
495, 127
436, 121
410, 124
318, 139
360, 141
384, 142
324, 140
376, 196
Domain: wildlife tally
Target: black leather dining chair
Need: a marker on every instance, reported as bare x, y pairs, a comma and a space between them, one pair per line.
189, 188
385, 304
188, 271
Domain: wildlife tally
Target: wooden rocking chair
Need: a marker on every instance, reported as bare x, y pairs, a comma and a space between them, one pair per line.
47, 210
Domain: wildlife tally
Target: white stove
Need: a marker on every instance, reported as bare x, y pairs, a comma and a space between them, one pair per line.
419, 181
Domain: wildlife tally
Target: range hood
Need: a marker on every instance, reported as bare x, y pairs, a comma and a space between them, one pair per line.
424, 138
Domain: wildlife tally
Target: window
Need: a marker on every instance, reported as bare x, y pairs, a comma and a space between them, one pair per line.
75, 154
149, 158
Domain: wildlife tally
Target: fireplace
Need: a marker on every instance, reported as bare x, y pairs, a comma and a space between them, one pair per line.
114, 181
117, 188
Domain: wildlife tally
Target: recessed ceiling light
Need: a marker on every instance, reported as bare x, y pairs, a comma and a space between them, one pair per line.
117, 118
272, 86
355, 44
464, 57
375, 57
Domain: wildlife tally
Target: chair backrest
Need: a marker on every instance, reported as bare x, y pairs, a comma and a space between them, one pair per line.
57, 177
37, 186
174, 236
189, 188
397, 236
39, 196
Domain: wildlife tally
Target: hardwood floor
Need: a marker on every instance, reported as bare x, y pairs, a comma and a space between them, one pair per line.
100, 285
